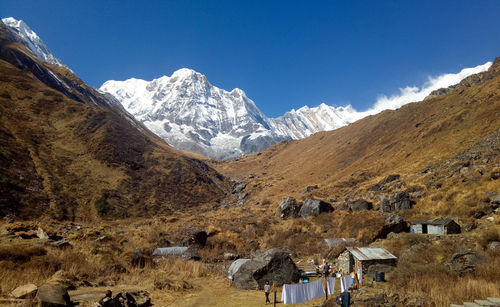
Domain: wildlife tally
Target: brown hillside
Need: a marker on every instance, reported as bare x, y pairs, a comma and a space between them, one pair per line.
345, 162
67, 152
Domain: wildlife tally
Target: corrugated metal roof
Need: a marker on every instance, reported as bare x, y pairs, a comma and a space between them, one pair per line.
337, 241
170, 251
441, 221
370, 253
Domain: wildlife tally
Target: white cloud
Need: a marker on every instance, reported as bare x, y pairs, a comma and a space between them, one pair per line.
413, 93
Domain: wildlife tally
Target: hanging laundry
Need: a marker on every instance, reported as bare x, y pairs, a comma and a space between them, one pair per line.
314, 290
345, 283
330, 282
360, 276
293, 294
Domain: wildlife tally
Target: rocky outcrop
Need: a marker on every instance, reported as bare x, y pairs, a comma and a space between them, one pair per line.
272, 265
464, 262
395, 202
192, 236
393, 223
360, 204
52, 295
312, 207
288, 208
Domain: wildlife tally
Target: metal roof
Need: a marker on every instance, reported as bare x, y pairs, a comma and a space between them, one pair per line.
337, 241
370, 253
441, 221
170, 251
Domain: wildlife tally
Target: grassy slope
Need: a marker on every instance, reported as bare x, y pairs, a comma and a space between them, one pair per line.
63, 151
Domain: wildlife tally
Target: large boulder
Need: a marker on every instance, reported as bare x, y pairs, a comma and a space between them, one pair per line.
393, 223
288, 208
52, 295
192, 236
395, 202
464, 262
312, 207
360, 204
272, 265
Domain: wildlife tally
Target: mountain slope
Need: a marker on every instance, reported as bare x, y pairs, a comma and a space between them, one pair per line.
70, 152
347, 161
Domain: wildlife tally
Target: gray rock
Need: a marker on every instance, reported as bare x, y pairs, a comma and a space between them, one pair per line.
61, 243
360, 204
495, 201
25, 291
191, 254
312, 207
495, 175
310, 189
230, 256
42, 234
393, 223
272, 265
464, 262
394, 202
52, 295
288, 208
494, 245
192, 236
343, 206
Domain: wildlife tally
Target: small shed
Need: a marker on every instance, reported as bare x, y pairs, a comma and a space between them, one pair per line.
438, 226
332, 242
353, 259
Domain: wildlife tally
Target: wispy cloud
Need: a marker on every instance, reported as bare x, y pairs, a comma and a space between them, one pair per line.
414, 93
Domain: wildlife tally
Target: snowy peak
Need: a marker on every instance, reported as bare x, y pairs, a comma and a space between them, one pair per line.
31, 40
191, 114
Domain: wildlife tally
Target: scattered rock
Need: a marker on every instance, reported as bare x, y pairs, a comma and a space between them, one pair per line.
469, 227
192, 236
312, 207
163, 242
102, 238
238, 187
381, 185
310, 189
52, 295
42, 234
191, 254
394, 202
343, 206
230, 256
360, 204
495, 175
491, 218
393, 223
464, 262
288, 208
25, 291
494, 245
272, 265
495, 201
61, 243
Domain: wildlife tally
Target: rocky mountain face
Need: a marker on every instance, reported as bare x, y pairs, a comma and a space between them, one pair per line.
71, 152
27, 37
191, 114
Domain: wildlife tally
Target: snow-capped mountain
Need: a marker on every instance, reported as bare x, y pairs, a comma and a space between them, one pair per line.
28, 38
191, 114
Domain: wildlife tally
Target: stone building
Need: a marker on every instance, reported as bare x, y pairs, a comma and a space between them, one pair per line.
353, 259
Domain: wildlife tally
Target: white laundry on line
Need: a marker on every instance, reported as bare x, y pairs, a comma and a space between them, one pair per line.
330, 283
294, 294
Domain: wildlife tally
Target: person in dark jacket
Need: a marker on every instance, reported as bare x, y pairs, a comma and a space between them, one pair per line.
344, 299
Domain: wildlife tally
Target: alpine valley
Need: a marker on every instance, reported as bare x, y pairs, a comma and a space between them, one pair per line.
105, 189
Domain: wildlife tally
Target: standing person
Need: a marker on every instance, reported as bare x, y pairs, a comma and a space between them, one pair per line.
344, 299
267, 289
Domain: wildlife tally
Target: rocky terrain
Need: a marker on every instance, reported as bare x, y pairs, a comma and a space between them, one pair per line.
88, 193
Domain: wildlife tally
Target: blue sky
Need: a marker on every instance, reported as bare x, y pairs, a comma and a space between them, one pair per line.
283, 54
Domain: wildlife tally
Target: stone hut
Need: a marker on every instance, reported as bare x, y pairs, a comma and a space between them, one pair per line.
438, 226
353, 259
